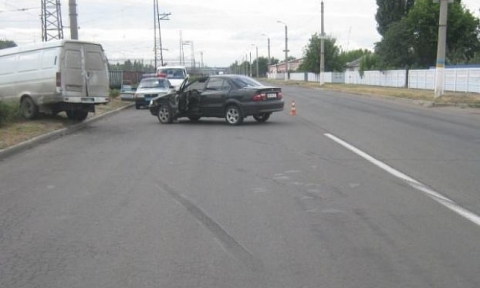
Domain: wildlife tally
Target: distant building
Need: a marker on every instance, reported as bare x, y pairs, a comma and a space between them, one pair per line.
354, 65
293, 65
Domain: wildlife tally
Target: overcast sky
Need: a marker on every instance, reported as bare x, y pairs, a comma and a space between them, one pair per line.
224, 30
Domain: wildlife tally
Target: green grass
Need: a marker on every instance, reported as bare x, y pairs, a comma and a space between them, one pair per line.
14, 129
9, 112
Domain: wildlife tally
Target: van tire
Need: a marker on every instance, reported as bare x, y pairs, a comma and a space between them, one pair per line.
77, 115
28, 108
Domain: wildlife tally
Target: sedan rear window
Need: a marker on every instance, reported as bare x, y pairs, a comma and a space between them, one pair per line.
246, 82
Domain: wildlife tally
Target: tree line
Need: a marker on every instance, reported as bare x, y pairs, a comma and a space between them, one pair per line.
409, 37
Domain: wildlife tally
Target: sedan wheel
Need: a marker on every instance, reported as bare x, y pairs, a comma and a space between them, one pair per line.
165, 114
233, 115
262, 117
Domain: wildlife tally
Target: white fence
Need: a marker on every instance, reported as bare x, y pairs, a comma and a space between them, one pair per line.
456, 80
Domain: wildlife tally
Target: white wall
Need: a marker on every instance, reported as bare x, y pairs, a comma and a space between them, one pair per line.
456, 80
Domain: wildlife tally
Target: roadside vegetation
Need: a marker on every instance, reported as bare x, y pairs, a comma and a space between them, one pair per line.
409, 41
421, 97
14, 129
9, 112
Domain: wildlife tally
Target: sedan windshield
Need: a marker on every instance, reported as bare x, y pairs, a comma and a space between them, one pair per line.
154, 83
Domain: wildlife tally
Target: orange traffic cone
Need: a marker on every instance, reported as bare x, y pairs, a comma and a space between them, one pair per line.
293, 109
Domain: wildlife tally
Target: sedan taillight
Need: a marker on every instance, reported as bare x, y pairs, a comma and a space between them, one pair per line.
259, 97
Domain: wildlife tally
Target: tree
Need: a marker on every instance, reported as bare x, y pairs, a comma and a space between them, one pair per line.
395, 49
463, 31
262, 67
7, 44
311, 53
391, 11
349, 56
370, 62
412, 40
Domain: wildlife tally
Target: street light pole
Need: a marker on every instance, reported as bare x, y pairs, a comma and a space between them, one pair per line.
442, 39
268, 43
322, 51
256, 51
286, 50
250, 64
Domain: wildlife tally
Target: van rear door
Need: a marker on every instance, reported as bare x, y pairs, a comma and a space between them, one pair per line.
85, 73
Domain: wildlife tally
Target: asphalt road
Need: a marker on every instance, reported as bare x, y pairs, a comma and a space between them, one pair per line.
351, 192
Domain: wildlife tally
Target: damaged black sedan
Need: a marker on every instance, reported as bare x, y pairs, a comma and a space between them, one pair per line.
233, 97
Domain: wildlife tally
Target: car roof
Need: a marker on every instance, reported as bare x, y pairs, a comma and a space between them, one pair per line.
154, 78
169, 67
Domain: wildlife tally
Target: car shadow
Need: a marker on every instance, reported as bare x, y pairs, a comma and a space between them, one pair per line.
222, 122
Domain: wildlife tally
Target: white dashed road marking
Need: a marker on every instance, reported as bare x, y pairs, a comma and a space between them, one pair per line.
445, 201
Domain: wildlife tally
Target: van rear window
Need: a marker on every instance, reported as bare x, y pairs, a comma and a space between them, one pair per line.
94, 61
73, 59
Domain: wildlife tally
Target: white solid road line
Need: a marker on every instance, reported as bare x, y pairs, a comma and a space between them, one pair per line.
445, 201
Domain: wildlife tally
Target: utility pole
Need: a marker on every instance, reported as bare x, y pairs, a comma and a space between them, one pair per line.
268, 46
52, 27
250, 64
157, 18
190, 43
286, 50
181, 49
256, 48
245, 63
442, 39
72, 8
322, 50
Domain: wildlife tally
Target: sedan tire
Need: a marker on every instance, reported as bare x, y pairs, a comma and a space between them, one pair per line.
165, 115
233, 115
262, 117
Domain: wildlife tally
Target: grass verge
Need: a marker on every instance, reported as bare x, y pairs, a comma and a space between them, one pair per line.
15, 129
449, 98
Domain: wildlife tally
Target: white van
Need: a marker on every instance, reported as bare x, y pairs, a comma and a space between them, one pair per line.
175, 74
55, 76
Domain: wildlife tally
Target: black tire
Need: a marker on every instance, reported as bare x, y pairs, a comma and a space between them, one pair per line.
262, 117
29, 108
137, 106
233, 115
165, 114
77, 115
194, 118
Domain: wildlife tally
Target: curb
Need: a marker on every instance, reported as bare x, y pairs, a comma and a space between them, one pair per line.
42, 139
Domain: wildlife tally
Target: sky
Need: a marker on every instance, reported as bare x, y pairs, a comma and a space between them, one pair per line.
222, 31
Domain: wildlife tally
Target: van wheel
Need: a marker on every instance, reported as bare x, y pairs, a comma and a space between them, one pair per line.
29, 108
77, 115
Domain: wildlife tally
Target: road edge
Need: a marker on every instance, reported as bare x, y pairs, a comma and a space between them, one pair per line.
46, 138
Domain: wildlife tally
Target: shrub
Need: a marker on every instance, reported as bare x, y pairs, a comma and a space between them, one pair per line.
9, 111
114, 93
